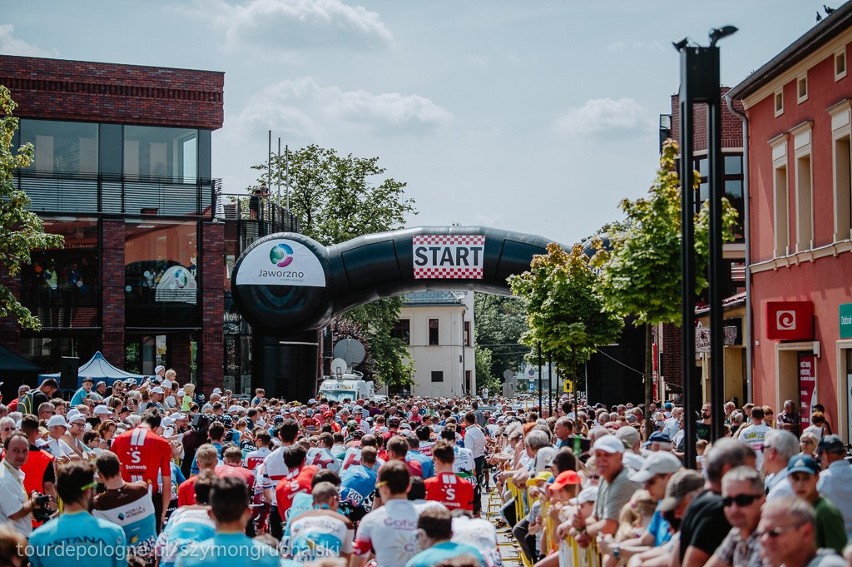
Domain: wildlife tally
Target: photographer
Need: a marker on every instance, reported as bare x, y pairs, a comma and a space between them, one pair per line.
15, 505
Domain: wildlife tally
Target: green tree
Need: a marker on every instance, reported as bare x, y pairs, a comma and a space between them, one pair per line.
485, 377
566, 314
338, 198
641, 273
500, 322
22, 230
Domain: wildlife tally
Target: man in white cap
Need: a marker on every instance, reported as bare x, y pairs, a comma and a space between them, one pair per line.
98, 393
74, 435
55, 445
615, 491
654, 475
157, 395
102, 412
169, 400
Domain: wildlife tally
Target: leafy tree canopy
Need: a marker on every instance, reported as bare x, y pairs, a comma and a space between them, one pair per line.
22, 230
500, 322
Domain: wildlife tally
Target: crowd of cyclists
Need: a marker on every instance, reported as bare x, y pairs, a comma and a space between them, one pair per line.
154, 473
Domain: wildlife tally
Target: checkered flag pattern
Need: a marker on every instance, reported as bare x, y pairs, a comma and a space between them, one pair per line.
449, 272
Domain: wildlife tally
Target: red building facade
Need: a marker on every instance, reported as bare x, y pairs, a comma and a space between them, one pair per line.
800, 203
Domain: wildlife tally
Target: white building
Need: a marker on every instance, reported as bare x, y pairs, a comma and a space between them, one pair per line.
438, 326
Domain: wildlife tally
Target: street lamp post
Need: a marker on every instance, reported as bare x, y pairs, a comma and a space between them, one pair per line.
700, 83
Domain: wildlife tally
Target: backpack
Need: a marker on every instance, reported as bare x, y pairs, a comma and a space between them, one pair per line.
26, 403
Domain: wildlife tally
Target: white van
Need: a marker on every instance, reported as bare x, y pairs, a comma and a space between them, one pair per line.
348, 386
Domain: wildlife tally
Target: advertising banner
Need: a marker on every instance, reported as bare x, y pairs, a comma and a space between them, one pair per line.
807, 387
281, 262
790, 320
449, 256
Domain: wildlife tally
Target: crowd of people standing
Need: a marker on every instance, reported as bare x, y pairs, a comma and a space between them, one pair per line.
153, 473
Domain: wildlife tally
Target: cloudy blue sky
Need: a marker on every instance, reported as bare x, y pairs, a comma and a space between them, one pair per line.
536, 116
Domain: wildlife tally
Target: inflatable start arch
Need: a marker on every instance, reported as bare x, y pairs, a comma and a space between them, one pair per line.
287, 285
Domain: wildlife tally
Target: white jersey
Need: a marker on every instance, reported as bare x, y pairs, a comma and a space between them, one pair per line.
391, 532
256, 457
480, 534
320, 534
274, 470
464, 465
753, 436
353, 458
322, 458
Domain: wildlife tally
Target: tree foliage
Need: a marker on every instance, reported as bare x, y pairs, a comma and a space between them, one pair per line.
338, 198
641, 275
500, 322
485, 377
22, 230
566, 313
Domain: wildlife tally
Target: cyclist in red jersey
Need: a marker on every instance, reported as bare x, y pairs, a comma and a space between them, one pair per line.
446, 487
143, 455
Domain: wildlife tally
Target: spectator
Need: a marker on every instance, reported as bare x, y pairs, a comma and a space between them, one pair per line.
788, 536
81, 396
76, 533
229, 507
16, 506
754, 434
819, 426
808, 443
830, 531
742, 497
835, 481
789, 419
778, 447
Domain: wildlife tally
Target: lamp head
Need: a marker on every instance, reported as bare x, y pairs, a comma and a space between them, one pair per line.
679, 45
718, 33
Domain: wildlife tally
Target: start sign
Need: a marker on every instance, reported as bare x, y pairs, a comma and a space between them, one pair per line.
448, 256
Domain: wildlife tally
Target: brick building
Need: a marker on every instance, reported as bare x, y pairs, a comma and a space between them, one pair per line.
800, 212
123, 171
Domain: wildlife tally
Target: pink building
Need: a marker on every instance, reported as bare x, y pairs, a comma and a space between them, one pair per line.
799, 114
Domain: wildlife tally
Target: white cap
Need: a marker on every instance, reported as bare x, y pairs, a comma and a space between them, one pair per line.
102, 410
658, 462
157, 390
234, 409
167, 384
180, 393
217, 390
75, 415
609, 444
167, 422
588, 494
178, 416
158, 369
57, 420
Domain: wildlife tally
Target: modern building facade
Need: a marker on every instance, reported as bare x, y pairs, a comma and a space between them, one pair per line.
123, 171
800, 211
438, 327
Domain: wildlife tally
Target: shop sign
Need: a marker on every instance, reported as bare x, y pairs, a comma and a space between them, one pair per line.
281, 262
845, 312
449, 256
807, 387
702, 339
790, 320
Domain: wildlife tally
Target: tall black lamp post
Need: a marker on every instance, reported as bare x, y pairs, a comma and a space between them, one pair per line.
700, 83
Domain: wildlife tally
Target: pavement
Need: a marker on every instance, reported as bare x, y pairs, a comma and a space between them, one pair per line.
506, 543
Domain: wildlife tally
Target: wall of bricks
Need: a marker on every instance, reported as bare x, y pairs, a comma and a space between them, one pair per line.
112, 286
211, 353
180, 356
109, 92
732, 125
670, 355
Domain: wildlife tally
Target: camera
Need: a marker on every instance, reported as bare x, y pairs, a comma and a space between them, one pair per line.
43, 512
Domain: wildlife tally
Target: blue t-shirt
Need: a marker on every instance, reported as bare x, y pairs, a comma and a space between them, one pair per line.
79, 396
659, 528
232, 549
425, 462
356, 485
78, 537
443, 551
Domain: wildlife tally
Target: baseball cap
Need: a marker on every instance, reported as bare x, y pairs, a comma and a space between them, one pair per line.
832, 444
234, 409
588, 494
74, 415
659, 437
159, 368
312, 401
656, 463
130, 381
99, 384
564, 479
217, 390
543, 476
803, 463
57, 420
167, 384
178, 416
167, 422
628, 435
102, 410
680, 484
157, 390
609, 444
88, 379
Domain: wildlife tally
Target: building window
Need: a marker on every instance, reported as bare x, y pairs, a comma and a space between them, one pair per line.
402, 330
802, 89
161, 153
69, 148
437, 376
733, 182
840, 64
467, 341
433, 331
779, 103
781, 212
804, 222
841, 117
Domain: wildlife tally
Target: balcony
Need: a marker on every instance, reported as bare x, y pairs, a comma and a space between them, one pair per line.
248, 218
117, 195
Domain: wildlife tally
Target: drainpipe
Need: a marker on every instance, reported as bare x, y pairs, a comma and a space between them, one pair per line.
749, 323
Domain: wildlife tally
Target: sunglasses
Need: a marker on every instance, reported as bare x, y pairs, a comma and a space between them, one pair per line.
740, 500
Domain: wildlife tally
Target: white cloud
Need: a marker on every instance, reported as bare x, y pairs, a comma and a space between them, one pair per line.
289, 25
305, 108
11, 45
600, 115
